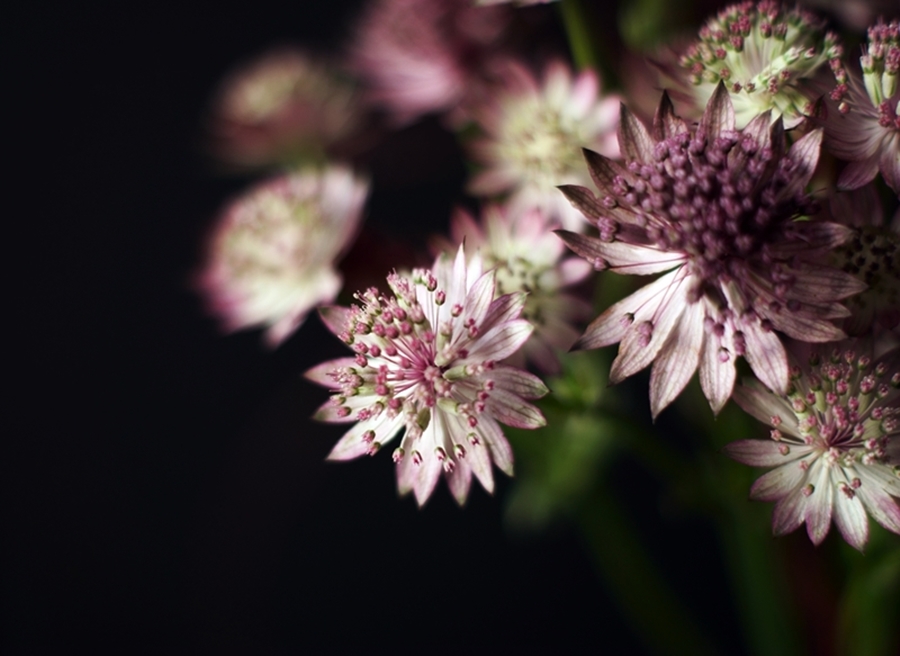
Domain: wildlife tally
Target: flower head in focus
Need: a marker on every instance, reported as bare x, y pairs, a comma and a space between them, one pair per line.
717, 209
271, 256
834, 445
763, 53
872, 254
282, 107
423, 56
534, 133
528, 257
865, 129
427, 364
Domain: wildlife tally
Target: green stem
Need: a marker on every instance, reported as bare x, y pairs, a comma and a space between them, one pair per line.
573, 17
648, 604
751, 554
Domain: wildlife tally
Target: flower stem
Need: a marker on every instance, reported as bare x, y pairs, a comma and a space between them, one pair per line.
648, 604
573, 17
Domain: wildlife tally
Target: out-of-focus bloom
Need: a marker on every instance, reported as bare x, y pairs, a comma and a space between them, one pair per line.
427, 363
271, 257
422, 56
528, 257
716, 208
764, 53
866, 128
534, 134
520, 3
834, 445
872, 254
283, 107
856, 15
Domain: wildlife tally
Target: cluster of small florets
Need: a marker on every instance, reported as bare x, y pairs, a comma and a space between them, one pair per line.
722, 199
833, 445
881, 68
763, 52
407, 374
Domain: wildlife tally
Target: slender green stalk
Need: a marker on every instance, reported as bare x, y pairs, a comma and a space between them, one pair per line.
648, 604
576, 26
751, 553
868, 613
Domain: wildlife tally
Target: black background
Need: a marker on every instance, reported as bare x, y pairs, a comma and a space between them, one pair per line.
166, 489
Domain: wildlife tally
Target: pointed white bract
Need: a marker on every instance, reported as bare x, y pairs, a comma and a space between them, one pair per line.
834, 446
272, 255
533, 135
527, 257
426, 365
716, 208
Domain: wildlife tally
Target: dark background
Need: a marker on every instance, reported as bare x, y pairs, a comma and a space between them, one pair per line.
166, 490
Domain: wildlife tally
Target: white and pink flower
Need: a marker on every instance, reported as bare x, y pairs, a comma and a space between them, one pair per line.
528, 257
715, 208
765, 54
271, 257
283, 107
422, 56
834, 445
427, 365
863, 125
533, 135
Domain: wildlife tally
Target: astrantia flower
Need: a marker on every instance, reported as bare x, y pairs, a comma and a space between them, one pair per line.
717, 208
422, 56
282, 106
763, 53
872, 254
271, 256
834, 446
520, 3
534, 135
426, 364
528, 257
866, 129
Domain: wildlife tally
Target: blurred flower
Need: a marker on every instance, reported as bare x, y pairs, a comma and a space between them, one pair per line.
534, 134
717, 209
855, 14
282, 107
834, 446
271, 256
764, 53
866, 128
520, 3
426, 361
422, 56
872, 254
528, 257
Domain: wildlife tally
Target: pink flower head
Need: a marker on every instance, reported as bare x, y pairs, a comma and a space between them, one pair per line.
528, 257
271, 256
422, 56
534, 133
834, 446
426, 363
865, 129
281, 107
716, 207
764, 53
